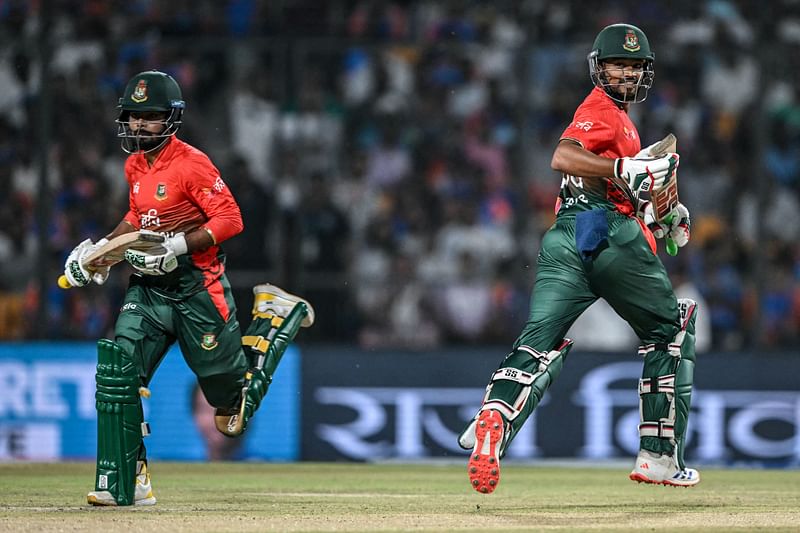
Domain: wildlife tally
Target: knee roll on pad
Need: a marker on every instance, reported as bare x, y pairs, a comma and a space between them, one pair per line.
665, 389
120, 421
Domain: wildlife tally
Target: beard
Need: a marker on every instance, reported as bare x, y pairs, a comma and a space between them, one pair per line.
149, 141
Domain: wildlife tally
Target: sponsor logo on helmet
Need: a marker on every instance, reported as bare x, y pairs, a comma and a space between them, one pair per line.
161, 191
209, 341
631, 42
140, 92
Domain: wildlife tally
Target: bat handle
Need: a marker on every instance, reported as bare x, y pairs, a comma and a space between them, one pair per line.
672, 248
63, 282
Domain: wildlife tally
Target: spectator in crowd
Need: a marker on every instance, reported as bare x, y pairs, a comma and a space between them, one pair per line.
431, 125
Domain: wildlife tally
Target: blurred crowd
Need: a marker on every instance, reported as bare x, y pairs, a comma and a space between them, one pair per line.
392, 158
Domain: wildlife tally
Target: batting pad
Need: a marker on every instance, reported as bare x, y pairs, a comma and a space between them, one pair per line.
120, 422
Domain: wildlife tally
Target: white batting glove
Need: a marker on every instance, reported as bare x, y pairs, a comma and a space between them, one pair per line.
645, 152
680, 226
158, 264
100, 275
648, 216
647, 173
76, 273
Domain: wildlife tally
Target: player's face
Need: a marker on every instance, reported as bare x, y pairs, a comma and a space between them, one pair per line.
146, 124
623, 75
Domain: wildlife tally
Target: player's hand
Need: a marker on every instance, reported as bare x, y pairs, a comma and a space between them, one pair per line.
680, 225
648, 216
100, 275
645, 152
646, 173
161, 263
76, 273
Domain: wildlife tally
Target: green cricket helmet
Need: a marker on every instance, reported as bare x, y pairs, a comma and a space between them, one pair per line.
149, 91
622, 41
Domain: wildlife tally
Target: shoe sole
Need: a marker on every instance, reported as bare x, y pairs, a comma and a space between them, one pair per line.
484, 462
92, 500
641, 478
267, 288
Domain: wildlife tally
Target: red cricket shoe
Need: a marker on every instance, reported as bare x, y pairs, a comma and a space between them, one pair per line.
484, 462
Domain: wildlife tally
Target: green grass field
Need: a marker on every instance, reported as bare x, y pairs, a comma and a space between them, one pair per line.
353, 497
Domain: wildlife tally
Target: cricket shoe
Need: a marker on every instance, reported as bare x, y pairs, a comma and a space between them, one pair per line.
142, 495
467, 438
273, 299
662, 470
484, 461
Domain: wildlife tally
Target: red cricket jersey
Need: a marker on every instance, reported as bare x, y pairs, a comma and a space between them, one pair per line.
601, 127
182, 191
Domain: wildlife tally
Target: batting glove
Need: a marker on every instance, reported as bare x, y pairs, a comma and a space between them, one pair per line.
680, 225
100, 275
646, 173
76, 273
158, 264
648, 216
645, 152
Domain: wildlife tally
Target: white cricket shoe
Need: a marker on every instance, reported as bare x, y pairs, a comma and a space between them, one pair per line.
467, 438
662, 470
142, 495
271, 298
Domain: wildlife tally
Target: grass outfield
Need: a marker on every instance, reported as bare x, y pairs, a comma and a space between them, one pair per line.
354, 497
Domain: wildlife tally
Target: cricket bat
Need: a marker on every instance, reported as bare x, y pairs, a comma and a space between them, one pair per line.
114, 250
666, 200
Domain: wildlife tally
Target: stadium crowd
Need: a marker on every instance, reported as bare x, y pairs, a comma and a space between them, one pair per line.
392, 158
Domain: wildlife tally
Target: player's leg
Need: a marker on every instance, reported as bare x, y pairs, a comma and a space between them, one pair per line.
236, 372
124, 369
560, 295
636, 285
666, 388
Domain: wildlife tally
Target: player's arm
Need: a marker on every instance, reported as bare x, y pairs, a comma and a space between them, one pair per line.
573, 159
639, 173
210, 193
224, 216
198, 239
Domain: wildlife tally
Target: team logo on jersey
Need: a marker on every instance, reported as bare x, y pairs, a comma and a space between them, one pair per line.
140, 92
161, 191
209, 341
631, 42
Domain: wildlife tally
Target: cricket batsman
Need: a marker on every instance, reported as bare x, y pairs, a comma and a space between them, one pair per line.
179, 294
602, 245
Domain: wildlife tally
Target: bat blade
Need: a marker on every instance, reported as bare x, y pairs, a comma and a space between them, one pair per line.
665, 200
114, 250
665, 146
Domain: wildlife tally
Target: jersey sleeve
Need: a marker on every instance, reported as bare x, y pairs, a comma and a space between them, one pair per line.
132, 216
591, 131
203, 183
